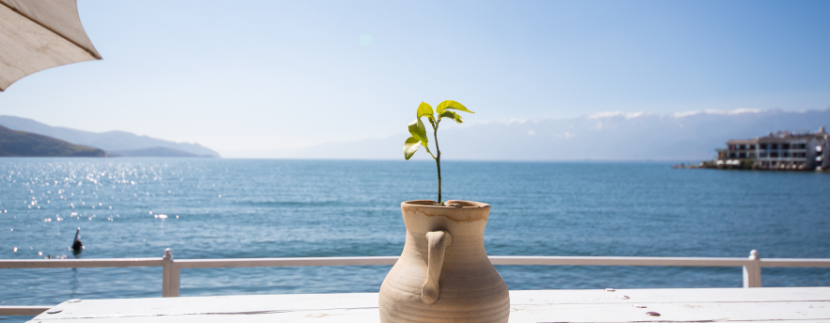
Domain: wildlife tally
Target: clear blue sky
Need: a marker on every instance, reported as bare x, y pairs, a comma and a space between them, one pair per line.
238, 76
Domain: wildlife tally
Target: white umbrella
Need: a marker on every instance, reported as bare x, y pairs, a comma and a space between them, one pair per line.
40, 34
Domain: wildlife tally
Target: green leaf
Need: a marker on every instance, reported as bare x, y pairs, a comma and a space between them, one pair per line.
450, 104
417, 130
451, 115
422, 132
425, 110
410, 147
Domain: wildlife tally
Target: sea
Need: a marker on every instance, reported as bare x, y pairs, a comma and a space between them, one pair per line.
231, 208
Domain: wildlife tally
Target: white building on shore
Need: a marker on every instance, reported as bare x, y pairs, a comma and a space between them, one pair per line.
781, 150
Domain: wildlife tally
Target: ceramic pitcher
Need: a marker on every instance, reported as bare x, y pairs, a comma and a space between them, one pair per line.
444, 274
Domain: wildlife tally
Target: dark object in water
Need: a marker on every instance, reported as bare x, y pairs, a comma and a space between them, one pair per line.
77, 246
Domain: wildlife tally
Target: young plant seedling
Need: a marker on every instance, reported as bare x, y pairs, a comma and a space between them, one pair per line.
419, 132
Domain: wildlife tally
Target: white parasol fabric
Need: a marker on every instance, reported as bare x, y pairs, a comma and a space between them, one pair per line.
40, 34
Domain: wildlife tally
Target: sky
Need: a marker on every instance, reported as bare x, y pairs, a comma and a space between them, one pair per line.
244, 77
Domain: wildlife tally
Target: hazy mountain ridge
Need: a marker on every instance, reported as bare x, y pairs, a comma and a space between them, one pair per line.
153, 152
690, 136
109, 141
15, 143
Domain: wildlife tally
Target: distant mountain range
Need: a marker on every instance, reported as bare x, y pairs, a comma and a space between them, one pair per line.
24, 144
152, 152
116, 143
691, 136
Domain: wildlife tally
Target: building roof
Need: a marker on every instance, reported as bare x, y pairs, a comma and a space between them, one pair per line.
742, 141
781, 137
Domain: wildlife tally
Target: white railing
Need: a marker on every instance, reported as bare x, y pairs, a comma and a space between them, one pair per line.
172, 269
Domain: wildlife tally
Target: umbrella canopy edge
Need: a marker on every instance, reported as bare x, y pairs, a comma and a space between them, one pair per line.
38, 35
70, 28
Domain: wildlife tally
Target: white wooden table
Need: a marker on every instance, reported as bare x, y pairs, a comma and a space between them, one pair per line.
802, 304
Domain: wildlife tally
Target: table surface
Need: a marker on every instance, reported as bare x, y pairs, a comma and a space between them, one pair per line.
792, 304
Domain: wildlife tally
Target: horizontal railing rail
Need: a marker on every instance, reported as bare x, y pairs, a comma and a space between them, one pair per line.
81, 263
286, 262
620, 261
172, 269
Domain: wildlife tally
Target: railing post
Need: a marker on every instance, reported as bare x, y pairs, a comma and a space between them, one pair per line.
175, 276
167, 273
752, 272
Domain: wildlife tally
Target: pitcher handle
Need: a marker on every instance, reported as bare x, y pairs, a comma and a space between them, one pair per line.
438, 241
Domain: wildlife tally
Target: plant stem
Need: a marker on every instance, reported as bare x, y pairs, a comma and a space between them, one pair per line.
438, 161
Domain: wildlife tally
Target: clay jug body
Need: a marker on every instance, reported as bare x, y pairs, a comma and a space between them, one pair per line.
443, 274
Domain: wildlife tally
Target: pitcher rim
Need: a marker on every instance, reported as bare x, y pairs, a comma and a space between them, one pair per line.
431, 204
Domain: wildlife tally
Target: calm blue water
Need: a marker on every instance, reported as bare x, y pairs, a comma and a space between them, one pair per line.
282, 208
